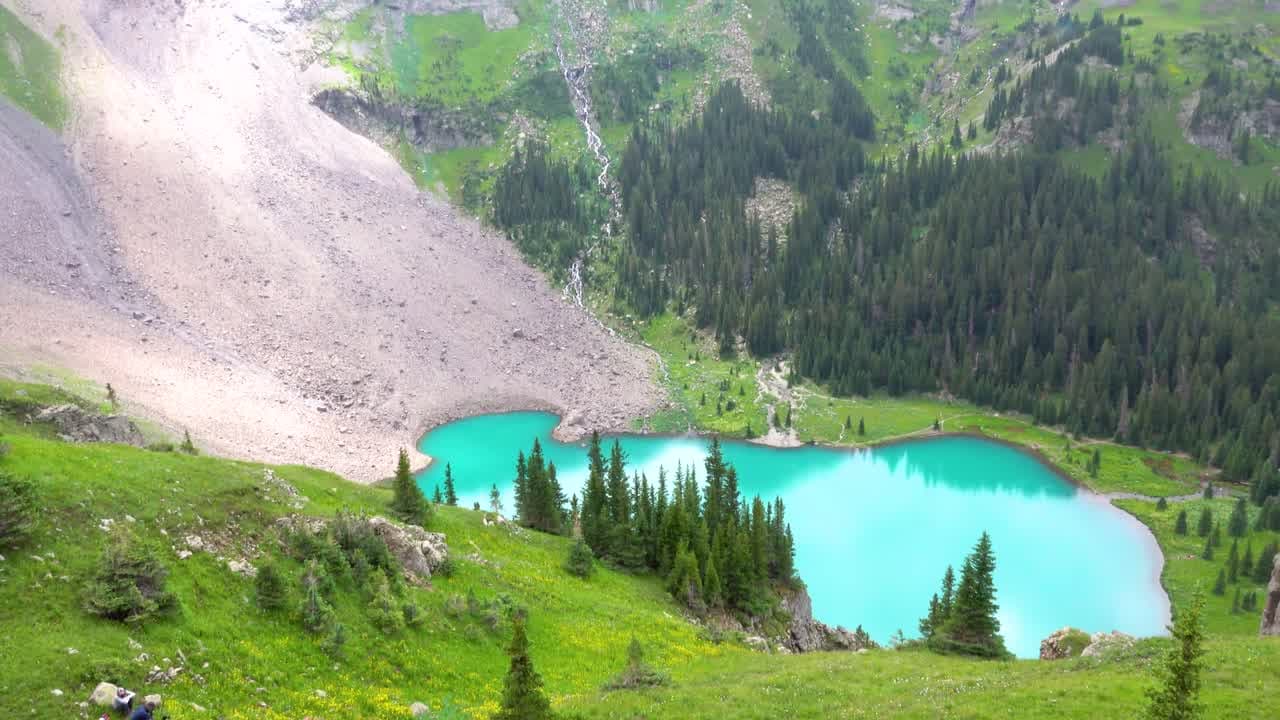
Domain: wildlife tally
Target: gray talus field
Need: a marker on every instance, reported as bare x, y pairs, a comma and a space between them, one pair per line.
235, 262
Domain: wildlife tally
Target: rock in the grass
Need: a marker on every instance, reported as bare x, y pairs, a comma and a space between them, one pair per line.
1101, 643
79, 425
242, 567
1271, 610
151, 699
419, 552
56, 692
806, 634
103, 694
1064, 643
419, 709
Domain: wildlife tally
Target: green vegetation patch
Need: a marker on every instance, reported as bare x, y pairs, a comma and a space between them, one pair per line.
30, 72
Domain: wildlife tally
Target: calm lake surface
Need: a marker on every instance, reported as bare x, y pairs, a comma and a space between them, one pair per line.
875, 529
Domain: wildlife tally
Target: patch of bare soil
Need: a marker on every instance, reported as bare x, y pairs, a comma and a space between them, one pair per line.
237, 263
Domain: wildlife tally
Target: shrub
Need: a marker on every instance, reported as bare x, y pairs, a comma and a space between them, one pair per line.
187, 446
337, 640
383, 609
269, 588
413, 615
4, 449
317, 614
128, 583
17, 509
637, 673
446, 568
581, 562
455, 605
160, 447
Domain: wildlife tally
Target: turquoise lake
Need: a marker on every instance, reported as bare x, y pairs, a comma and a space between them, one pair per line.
875, 529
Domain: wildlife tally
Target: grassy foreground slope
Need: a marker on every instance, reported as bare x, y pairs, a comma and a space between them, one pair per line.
579, 629
241, 662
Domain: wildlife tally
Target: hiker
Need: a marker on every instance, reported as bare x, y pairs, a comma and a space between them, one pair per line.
123, 701
146, 712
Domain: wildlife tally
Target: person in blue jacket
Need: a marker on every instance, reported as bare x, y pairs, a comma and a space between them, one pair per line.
145, 712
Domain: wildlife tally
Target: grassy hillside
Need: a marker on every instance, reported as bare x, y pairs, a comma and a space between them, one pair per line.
236, 656
30, 71
579, 629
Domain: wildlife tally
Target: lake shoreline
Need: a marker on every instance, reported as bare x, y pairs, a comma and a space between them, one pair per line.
1137, 531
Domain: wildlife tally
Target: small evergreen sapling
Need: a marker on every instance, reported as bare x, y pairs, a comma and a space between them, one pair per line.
1176, 697
17, 509
1206, 522
269, 588
128, 583
408, 503
522, 695
581, 562
1180, 526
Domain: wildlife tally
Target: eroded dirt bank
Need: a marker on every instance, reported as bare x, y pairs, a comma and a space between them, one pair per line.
251, 270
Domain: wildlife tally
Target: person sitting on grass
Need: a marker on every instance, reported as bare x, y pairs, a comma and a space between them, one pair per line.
146, 712
123, 701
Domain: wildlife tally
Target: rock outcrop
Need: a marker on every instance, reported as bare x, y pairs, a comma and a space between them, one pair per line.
420, 552
1071, 642
1271, 610
103, 694
1101, 643
1065, 643
805, 634
76, 424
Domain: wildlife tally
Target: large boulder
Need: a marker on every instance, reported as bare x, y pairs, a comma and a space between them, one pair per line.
76, 424
1101, 643
419, 552
103, 694
1065, 643
1271, 610
805, 634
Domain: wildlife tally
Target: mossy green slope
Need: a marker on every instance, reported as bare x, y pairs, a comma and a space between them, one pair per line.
30, 70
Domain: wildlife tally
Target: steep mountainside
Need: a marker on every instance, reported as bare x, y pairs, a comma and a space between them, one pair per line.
233, 261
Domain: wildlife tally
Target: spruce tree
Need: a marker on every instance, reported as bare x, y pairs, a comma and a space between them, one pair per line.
1215, 535
1238, 524
580, 562
972, 627
1176, 697
384, 611
1235, 603
862, 428
17, 509
1206, 522
1207, 552
437, 497
1162, 504
495, 500
407, 502
711, 590
1262, 571
1180, 527
522, 695
450, 492
269, 588
1233, 563
1220, 585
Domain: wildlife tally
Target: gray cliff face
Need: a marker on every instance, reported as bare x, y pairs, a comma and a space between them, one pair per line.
385, 121
79, 425
805, 634
1271, 609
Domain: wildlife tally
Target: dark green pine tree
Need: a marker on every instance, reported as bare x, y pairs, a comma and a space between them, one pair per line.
269, 588
1246, 560
1220, 585
1238, 523
1215, 535
972, 627
957, 141
1233, 563
1162, 504
1180, 527
437, 497
1235, 603
520, 488
450, 492
948, 592
522, 695
711, 591
928, 622
862, 428
580, 562
1262, 571
595, 499
1206, 522
407, 501
1207, 552
1176, 697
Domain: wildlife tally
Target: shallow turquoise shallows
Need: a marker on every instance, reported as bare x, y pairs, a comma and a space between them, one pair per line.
876, 529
